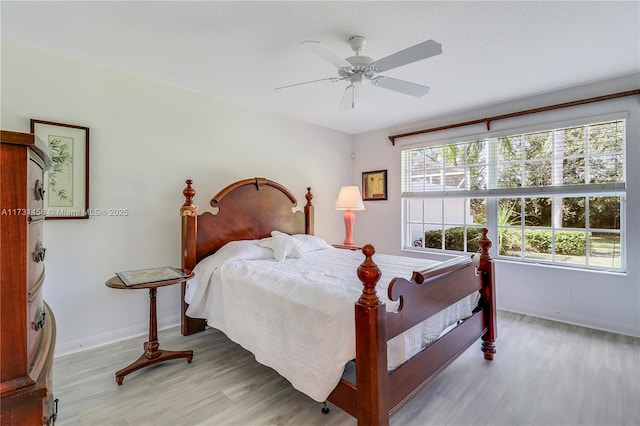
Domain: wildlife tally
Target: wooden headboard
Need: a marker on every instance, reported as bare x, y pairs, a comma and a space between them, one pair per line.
246, 210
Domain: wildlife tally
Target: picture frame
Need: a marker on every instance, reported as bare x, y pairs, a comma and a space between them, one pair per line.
67, 180
374, 185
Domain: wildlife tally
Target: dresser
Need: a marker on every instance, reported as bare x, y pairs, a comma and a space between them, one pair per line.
27, 325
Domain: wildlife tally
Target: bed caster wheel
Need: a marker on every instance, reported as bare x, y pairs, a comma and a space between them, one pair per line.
325, 408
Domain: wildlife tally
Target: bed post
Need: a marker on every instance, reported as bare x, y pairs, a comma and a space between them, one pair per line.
371, 347
488, 293
189, 215
308, 213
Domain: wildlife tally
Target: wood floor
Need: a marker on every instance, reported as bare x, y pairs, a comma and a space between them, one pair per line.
544, 373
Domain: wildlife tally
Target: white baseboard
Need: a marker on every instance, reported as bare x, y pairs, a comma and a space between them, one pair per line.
589, 322
112, 337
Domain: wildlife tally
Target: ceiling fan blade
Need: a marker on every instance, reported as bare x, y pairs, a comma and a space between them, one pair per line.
415, 53
348, 98
331, 79
324, 52
401, 86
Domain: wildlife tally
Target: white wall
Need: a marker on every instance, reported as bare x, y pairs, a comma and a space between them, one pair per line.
594, 299
146, 138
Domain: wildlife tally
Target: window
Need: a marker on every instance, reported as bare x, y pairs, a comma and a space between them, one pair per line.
554, 196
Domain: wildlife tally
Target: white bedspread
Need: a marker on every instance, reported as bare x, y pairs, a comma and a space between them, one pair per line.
297, 316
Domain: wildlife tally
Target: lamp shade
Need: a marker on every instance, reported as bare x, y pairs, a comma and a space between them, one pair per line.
349, 198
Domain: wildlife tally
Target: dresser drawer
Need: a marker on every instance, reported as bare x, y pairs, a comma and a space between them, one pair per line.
35, 252
35, 186
36, 318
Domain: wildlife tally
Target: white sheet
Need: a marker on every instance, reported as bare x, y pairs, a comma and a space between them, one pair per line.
297, 316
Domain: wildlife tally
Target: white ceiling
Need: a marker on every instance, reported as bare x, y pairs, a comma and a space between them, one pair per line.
240, 51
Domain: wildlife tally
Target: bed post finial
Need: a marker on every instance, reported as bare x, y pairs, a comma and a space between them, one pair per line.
369, 274
485, 244
308, 196
308, 213
188, 208
488, 294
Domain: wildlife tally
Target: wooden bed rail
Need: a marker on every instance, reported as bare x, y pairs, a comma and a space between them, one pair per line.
440, 268
444, 287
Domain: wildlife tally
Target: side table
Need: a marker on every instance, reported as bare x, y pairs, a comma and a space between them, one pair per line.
152, 352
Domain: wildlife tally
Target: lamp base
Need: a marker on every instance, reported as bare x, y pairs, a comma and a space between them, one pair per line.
349, 220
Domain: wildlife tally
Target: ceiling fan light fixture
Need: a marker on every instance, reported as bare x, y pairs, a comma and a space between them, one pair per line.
357, 79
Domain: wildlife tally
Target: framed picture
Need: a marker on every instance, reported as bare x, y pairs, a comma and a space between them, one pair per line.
67, 180
374, 185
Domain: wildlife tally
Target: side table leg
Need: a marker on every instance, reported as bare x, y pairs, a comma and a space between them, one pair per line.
152, 354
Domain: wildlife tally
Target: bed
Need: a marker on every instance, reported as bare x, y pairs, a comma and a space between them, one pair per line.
255, 212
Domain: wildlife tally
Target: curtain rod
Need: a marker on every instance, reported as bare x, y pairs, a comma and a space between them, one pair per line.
487, 121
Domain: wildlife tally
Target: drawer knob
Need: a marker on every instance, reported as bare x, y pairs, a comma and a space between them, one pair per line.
39, 190
38, 255
38, 322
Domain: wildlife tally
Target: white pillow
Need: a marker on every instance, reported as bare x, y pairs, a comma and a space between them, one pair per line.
283, 246
310, 242
277, 234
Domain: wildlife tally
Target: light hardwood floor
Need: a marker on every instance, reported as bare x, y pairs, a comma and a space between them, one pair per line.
544, 373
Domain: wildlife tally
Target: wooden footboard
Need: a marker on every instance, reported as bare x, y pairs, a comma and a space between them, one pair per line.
378, 394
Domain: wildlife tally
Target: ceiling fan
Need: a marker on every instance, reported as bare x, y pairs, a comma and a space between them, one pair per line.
359, 69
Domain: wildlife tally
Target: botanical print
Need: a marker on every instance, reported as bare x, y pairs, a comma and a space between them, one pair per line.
61, 172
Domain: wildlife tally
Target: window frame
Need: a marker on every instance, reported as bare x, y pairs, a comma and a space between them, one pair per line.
491, 194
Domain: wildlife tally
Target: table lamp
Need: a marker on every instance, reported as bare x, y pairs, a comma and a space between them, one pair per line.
349, 200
